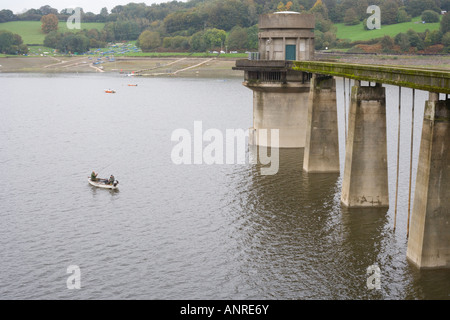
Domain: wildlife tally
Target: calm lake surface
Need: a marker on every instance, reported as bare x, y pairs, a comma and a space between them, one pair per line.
183, 231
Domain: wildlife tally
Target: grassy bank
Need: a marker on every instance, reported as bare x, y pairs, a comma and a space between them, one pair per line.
31, 32
357, 32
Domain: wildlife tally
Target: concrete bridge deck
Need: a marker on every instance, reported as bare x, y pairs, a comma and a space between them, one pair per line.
411, 77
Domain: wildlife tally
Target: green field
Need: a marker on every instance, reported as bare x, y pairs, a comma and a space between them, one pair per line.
31, 33
357, 32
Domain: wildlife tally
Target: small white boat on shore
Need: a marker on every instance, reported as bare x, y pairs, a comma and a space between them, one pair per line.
103, 183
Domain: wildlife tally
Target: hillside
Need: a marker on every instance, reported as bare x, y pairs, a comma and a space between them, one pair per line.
358, 33
31, 33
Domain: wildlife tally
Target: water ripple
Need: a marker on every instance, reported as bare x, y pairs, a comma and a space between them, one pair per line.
176, 232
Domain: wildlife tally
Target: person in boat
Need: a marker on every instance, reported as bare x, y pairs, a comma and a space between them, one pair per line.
111, 180
94, 176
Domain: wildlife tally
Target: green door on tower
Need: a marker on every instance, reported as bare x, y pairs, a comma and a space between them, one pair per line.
290, 52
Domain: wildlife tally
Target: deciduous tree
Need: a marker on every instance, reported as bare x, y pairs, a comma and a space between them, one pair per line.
319, 8
429, 16
252, 37
446, 39
6, 41
149, 40
402, 40
11, 43
237, 39
7, 15
197, 42
389, 12
214, 37
52, 38
49, 23
403, 16
72, 42
47, 10
445, 23
351, 18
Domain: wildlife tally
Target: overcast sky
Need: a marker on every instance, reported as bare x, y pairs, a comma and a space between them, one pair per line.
88, 5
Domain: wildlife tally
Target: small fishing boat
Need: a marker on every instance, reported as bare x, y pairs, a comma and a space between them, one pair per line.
132, 85
103, 183
109, 91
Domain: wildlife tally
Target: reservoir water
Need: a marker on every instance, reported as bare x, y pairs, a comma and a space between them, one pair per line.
184, 231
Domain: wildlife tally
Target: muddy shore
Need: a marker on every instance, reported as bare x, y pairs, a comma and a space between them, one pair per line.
170, 66
189, 66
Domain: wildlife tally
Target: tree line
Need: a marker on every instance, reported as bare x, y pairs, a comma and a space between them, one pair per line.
199, 25
225, 14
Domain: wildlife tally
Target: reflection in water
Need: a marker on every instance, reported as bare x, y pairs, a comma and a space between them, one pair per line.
290, 234
296, 238
110, 191
427, 284
363, 231
177, 232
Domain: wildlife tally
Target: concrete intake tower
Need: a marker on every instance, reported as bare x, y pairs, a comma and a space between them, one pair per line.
280, 94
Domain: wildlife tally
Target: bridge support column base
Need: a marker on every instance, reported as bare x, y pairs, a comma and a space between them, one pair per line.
322, 140
282, 108
365, 182
429, 237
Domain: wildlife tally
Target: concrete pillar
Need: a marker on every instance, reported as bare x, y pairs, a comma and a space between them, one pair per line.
365, 182
322, 139
283, 107
271, 44
429, 237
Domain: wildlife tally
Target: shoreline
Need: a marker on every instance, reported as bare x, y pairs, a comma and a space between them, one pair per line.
139, 66
189, 66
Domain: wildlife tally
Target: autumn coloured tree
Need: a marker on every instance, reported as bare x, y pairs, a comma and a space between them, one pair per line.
49, 23
284, 7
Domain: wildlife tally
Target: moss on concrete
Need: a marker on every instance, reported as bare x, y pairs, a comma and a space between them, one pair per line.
417, 78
